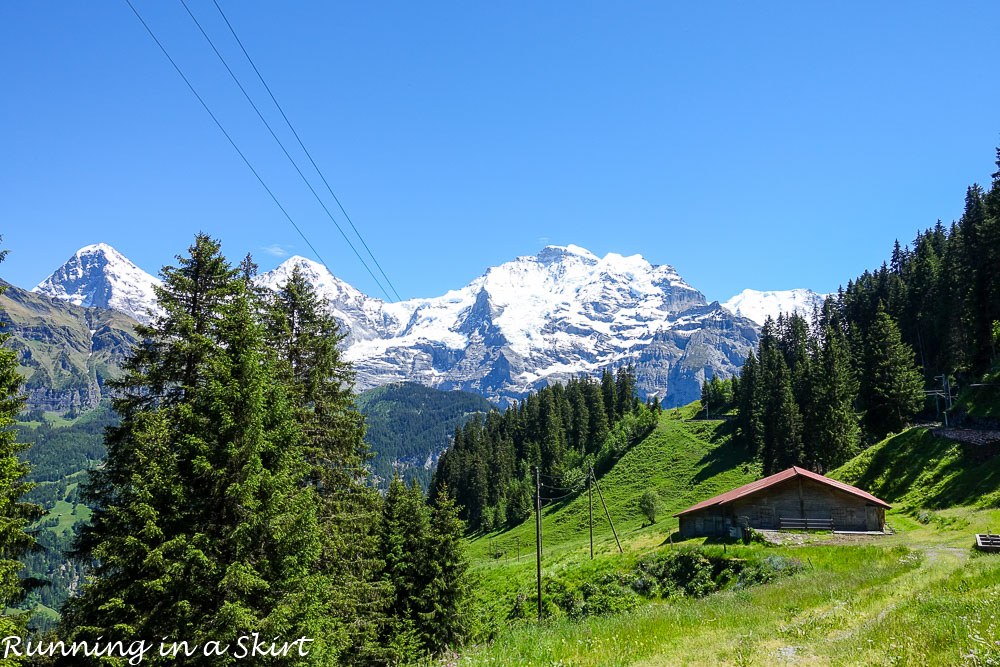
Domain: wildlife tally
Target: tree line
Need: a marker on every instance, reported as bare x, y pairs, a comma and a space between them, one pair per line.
817, 391
235, 498
561, 428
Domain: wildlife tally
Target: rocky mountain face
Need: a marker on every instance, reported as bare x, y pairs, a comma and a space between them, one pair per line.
520, 325
98, 276
758, 306
67, 352
538, 319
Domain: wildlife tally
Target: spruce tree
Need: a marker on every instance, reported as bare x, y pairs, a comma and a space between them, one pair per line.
609, 393
749, 407
306, 338
15, 514
444, 623
204, 528
834, 433
894, 386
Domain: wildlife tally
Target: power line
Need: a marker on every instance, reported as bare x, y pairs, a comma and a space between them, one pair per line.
303, 146
284, 150
223, 130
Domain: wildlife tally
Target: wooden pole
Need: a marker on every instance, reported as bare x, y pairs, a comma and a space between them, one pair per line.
538, 540
518, 540
606, 512
590, 497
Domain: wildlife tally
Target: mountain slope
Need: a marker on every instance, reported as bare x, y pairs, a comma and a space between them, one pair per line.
916, 470
539, 319
520, 325
409, 425
98, 276
67, 352
758, 306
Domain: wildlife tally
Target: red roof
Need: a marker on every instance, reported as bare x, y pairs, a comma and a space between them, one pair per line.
784, 475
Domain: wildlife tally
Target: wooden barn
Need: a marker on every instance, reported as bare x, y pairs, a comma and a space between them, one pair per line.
795, 499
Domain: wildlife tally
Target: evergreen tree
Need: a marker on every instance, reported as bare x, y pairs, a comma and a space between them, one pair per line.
626, 395
204, 529
609, 393
894, 386
426, 565
781, 418
15, 515
305, 339
443, 625
749, 407
834, 433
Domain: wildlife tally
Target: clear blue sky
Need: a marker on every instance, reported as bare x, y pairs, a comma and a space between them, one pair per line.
758, 145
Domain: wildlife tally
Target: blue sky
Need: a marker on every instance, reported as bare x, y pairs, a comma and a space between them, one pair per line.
747, 144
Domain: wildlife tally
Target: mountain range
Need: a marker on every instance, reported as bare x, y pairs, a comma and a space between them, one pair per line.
518, 326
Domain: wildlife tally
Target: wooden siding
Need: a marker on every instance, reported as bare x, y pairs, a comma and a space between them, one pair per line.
797, 498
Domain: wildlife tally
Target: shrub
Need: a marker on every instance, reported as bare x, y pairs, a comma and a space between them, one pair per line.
647, 505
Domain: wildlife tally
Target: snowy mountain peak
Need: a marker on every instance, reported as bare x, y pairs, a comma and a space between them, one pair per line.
555, 253
361, 314
99, 276
758, 306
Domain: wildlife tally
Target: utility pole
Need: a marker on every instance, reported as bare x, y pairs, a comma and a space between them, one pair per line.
590, 498
518, 540
606, 512
538, 539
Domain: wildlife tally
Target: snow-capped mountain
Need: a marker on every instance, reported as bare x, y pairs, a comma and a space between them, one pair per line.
100, 276
758, 306
537, 319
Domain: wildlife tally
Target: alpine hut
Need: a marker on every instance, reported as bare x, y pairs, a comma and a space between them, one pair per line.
792, 499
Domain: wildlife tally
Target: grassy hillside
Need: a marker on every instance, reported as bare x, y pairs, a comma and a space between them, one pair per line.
982, 400
917, 597
67, 352
408, 425
916, 469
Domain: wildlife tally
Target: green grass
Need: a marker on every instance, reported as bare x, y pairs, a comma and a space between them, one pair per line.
915, 469
920, 596
983, 401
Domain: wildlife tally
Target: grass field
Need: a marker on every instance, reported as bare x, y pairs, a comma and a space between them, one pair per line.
920, 596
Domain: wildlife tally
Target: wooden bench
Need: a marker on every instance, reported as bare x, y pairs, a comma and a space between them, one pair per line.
988, 542
788, 523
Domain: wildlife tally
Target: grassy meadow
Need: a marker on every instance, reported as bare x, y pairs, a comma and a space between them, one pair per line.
919, 596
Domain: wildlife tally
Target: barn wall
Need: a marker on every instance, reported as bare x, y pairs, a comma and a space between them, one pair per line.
713, 522
816, 501
764, 509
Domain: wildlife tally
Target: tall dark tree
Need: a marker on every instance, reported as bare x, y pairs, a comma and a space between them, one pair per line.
834, 433
305, 339
15, 514
892, 386
204, 528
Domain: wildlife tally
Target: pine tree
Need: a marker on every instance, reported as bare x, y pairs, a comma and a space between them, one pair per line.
749, 407
626, 395
834, 433
781, 418
15, 515
894, 391
444, 623
609, 392
306, 338
204, 528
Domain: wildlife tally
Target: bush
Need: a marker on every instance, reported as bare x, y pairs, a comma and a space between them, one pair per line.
647, 505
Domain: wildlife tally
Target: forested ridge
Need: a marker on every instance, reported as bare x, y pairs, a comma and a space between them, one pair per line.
819, 390
562, 429
407, 423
